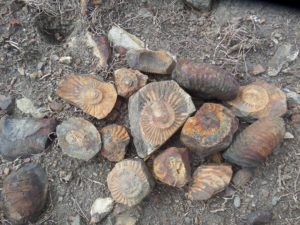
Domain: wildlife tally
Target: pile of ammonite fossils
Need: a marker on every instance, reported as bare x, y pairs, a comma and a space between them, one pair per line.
156, 111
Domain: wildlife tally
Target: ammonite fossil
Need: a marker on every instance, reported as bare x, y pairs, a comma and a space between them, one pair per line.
78, 138
256, 142
209, 180
115, 139
128, 81
159, 62
24, 137
156, 112
205, 80
210, 130
130, 181
25, 193
172, 167
92, 96
259, 99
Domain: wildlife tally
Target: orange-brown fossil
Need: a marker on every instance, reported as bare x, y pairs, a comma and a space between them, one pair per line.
159, 62
256, 142
129, 81
130, 181
205, 80
25, 193
156, 112
115, 139
172, 167
92, 96
209, 180
259, 99
210, 130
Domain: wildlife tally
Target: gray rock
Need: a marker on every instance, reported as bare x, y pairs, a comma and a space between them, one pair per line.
292, 95
100, 208
78, 138
200, 4
156, 112
122, 38
6, 103
74, 220
23, 137
259, 217
65, 60
285, 54
26, 106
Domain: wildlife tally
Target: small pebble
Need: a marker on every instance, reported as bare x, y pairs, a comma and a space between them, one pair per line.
237, 202
258, 69
65, 60
6, 171
56, 106
288, 135
275, 200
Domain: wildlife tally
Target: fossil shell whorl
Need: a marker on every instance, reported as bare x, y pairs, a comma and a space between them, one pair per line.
115, 140
25, 193
172, 167
259, 99
130, 181
209, 180
159, 62
92, 96
205, 81
156, 112
78, 138
129, 81
256, 142
210, 130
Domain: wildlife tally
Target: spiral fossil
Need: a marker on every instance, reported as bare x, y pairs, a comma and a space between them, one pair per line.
92, 96
130, 182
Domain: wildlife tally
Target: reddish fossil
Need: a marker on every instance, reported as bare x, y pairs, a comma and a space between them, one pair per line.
25, 193
209, 180
256, 142
115, 139
205, 80
92, 96
259, 99
172, 167
210, 130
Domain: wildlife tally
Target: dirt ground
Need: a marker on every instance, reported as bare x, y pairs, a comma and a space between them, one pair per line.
254, 28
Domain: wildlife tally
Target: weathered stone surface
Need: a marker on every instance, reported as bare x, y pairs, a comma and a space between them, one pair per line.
159, 62
285, 53
130, 181
23, 137
101, 48
26, 106
258, 100
254, 144
172, 167
100, 209
122, 38
25, 194
115, 139
200, 4
205, 80
209, 180
6, 103
210, 130
129, 81
156, 112
78, 138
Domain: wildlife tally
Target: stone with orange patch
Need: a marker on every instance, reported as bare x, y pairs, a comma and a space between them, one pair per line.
258, 100
209, 180
254, 144
172, 167
210, 130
